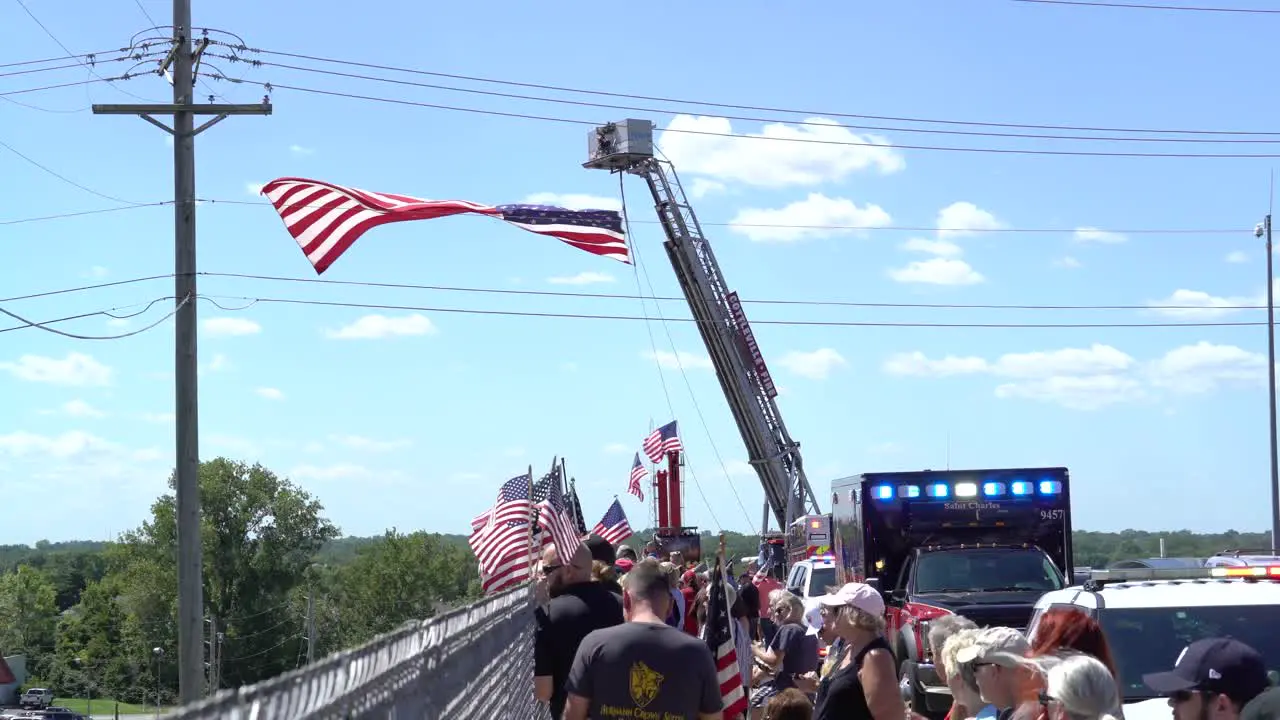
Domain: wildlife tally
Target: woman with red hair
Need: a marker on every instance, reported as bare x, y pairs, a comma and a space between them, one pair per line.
1072, 630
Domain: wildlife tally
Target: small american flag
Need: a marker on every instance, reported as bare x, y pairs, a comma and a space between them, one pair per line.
719, 637
638, 474
326, 219
554, 518
613, 526
575, 505
662, 441
502, 544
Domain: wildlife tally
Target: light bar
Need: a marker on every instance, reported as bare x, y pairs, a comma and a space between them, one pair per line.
1021, 487
1138, 574
1050, 487
908, 491
966, 490
938, 490
992, 489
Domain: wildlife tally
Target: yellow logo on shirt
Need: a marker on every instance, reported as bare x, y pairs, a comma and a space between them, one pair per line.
645, 684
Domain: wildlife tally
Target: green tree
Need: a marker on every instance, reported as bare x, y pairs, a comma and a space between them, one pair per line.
28, 615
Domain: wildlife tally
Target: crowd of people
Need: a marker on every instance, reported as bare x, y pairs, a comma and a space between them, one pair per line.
622, 635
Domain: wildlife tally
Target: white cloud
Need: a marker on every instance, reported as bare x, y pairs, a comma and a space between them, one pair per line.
702, 187
1093, 234
682, 359
344, 471
1204, 366
1200, 305
617, 448
699, 146
938, 271
1098, 376
357, 442
815, 365
739, 468
574, 201
254, 188
81, 409
1237, 257
961, 219
230, 327
299, 150
75, 370
71, 445
586, 277
824, 216
941, 248
1067, 262
269, 393
376, 327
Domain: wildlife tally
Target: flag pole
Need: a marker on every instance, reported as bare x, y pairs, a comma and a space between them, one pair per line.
534, 558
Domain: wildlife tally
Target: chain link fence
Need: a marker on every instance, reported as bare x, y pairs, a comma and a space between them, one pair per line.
473, 663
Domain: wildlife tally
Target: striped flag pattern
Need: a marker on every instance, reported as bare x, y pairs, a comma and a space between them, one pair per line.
613, 526
662, 441
554, 517
638, 474
502, 543
326, 219
719, 637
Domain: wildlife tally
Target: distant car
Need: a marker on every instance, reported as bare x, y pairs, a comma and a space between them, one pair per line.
39, 698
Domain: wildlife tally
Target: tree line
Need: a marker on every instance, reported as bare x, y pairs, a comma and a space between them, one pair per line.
89, 615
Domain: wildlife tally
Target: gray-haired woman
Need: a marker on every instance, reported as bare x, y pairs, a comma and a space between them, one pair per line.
793, 651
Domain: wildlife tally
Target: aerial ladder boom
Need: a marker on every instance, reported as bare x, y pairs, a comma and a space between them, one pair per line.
627, 147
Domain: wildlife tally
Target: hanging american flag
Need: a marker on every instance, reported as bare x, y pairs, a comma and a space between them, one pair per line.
613, 526
719, 637
502, 544
638, 474
662, 441
327, 219
554, 518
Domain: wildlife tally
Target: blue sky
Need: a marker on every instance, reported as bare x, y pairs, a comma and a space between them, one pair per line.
415, 422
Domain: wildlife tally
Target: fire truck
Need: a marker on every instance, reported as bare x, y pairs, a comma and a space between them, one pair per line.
627, 147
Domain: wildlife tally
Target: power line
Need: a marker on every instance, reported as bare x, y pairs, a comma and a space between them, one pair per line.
64, 178
83, 288
60, 58
732, 106
78, 83
251, 301
812, 303
65, 49
269, 86
808, 123
1137, 6
44, 324
82, 213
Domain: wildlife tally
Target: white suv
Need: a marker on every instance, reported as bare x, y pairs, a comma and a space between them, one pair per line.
1151, 614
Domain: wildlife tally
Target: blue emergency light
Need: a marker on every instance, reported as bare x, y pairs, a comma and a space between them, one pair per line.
909, 491
938, 490
992, 489
1050, 487
882, 492
1021, 487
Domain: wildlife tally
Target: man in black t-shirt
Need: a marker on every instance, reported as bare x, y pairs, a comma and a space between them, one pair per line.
644, 667
578, 606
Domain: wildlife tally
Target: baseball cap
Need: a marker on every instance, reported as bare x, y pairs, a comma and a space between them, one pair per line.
624, 564
858, 595
1220, 665
813, 616
600, 549
1264, 707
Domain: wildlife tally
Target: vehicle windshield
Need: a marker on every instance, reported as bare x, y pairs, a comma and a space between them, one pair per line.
986, 569
821, 579
1149, 640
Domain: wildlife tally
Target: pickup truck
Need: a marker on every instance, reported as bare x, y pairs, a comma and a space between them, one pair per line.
38, 698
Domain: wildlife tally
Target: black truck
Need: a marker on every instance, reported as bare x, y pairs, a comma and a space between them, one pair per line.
984, 544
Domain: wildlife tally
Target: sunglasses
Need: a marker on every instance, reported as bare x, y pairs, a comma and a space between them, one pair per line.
548, 569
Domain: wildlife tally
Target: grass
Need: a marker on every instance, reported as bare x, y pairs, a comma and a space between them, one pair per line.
105, 706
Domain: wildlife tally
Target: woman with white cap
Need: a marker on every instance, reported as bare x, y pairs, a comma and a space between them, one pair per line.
863, 681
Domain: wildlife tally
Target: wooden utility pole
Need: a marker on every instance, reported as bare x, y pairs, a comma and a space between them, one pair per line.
183, 58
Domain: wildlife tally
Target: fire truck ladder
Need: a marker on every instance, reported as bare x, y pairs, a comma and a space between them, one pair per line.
627, 146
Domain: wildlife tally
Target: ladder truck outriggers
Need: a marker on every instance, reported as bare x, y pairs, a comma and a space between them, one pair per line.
627, 146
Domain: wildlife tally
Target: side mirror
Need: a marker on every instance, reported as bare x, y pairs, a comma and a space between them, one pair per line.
898, 595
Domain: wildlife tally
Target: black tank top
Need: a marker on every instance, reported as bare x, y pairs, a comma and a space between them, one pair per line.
840, 695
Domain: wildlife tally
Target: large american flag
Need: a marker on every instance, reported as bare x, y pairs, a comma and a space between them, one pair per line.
554, 517
326, 219
662, 441
719, 637
613, 526
638, 474
502, 544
